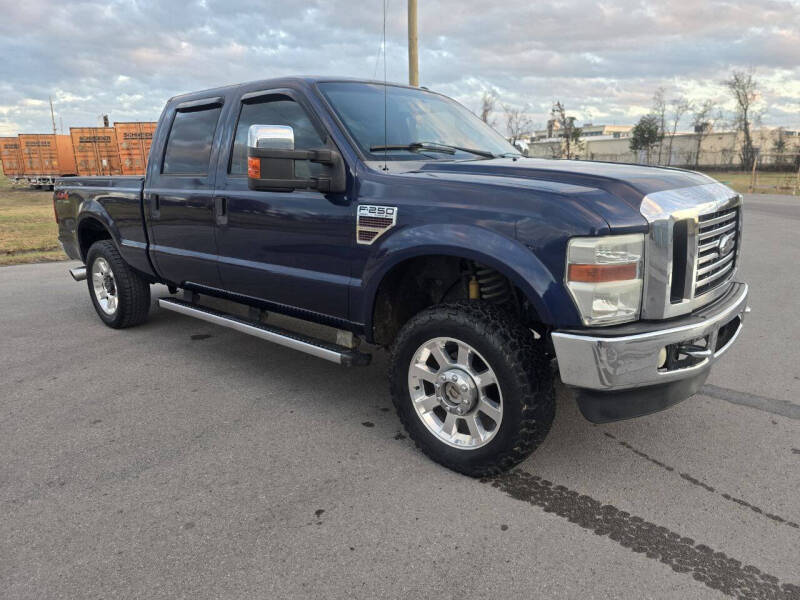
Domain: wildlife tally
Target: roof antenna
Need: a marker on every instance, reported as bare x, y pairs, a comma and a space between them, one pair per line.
385, 97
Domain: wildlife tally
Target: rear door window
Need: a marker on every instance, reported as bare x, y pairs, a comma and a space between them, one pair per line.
190, 139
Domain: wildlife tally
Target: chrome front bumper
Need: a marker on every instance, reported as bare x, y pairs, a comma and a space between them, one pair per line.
627, 357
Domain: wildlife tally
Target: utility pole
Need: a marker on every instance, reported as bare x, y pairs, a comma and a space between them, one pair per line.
53, 116
413, 55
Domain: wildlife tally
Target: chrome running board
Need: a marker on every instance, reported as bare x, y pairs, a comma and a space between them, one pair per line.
319, 348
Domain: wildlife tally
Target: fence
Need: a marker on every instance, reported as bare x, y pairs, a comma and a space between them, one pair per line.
776, 172
686, 159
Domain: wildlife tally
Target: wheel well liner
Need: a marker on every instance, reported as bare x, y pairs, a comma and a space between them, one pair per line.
91, 230
418, 282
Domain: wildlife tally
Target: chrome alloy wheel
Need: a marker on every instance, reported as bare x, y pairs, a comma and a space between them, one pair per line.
455, 393
105, 286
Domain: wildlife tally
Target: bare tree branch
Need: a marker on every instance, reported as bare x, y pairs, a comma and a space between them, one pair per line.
703, 120
517, 123
567, 131
488, 102
744, 89
660, 112
680, 106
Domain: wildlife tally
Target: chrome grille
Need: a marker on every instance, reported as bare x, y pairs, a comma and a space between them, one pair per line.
717, 242
675, 282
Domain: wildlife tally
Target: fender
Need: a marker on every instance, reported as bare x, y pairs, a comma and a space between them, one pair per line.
133, 252
507, 256
92, 209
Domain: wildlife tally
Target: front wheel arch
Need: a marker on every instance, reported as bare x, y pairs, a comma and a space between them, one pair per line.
512, 259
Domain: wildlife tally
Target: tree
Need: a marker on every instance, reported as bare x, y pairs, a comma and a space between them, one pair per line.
680, 106
488, 101
567, 130
779, 146
645, 135
660, 112
703, 123
517, 123
745, 92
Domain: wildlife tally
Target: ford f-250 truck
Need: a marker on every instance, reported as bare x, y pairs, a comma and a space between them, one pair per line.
395, 216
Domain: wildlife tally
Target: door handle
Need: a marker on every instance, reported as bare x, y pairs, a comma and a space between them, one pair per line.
155, 207
221, 210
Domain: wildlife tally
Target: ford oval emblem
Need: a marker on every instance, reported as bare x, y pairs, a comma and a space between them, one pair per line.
726, 244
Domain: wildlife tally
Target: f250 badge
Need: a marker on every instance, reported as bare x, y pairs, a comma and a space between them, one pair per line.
373, 221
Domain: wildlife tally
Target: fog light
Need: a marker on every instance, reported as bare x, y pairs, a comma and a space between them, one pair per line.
662, 358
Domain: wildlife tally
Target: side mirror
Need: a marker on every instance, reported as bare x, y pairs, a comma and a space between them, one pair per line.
271, 161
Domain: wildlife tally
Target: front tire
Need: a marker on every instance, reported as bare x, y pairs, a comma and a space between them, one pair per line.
472, 387
120, 295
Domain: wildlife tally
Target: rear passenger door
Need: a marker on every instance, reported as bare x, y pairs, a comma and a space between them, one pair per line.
288, 247
179, 196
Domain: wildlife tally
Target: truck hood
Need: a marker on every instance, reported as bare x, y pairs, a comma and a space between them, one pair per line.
628, 184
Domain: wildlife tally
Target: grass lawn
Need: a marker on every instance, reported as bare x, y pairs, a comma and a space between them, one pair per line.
28, 231
768, 182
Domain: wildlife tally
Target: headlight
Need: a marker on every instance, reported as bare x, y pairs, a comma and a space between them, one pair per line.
604, 276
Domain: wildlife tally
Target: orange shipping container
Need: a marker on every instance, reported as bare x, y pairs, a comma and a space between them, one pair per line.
66, 156
39, 154
96, 150
134, 141
10, 157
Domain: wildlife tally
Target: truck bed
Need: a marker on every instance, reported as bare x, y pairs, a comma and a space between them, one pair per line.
117, 200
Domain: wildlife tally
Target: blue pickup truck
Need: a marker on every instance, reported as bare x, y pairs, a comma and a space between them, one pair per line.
395, 217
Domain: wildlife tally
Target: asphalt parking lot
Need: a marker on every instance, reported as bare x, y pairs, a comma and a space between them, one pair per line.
183, 460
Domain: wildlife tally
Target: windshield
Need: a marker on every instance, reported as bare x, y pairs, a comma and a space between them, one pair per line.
414, 117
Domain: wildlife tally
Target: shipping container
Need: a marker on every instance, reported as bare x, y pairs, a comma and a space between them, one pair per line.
10, 157
66, 156
46, 156
134, 140
39, 158
96, 150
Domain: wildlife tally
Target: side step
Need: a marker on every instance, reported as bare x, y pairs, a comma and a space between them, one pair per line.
321, 349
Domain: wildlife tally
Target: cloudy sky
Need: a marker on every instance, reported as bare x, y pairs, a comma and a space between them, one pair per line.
603, 60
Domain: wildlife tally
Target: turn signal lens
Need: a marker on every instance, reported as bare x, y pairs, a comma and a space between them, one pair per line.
253, 167
602, 273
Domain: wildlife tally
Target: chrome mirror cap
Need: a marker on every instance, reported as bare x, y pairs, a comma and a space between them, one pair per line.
274, 137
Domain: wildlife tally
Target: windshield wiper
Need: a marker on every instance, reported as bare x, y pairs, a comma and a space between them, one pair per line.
434, 147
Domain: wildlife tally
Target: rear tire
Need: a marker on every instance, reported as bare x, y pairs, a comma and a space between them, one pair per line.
120, 295
494, 402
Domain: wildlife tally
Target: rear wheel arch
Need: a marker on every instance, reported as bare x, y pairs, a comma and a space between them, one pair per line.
91, 230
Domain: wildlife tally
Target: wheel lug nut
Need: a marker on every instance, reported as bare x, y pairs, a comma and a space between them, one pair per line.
453, 378
463, 387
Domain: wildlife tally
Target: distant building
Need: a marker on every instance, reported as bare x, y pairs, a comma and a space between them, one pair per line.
720, 149
588, 130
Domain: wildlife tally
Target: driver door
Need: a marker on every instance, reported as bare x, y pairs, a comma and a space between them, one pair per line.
292, 248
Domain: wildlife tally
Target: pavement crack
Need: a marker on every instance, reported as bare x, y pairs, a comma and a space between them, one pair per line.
783, 408
703, 484
714, 569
